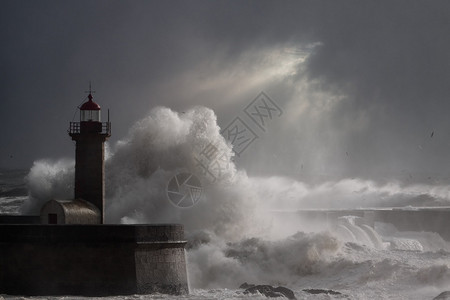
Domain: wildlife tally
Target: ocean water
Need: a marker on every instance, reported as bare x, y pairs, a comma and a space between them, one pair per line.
13, 191
234, 232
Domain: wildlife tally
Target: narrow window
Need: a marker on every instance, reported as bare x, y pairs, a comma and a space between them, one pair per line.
52, 219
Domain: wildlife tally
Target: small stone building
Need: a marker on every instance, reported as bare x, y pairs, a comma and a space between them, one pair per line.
76, 211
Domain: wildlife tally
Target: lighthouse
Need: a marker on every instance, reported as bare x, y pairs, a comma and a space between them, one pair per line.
85, 256
88, 206
90, 134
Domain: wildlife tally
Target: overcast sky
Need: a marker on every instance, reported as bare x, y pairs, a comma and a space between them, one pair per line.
364, 85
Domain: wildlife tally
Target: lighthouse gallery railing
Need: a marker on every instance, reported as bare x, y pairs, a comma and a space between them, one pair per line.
75, 128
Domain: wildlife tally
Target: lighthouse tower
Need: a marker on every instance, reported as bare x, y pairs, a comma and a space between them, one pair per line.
90, 135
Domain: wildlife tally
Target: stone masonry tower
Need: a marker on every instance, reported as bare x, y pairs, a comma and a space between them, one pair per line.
90, 135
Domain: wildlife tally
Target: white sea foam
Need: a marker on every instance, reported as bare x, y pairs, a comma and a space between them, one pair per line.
48, 179
348, 230
11, 205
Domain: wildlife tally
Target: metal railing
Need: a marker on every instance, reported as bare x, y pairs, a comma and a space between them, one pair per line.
75, 128
106, 128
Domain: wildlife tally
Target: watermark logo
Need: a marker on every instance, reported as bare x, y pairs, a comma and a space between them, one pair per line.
262, 110
239, 134
184, 190
212, 163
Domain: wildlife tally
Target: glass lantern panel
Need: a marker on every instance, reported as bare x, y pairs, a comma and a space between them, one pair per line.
90, 115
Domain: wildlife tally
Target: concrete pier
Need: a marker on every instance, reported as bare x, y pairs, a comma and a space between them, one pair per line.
92, 260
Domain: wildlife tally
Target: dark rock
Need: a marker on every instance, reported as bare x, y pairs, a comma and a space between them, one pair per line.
321, 291
270, 291
443, 296
286, 292
246, 285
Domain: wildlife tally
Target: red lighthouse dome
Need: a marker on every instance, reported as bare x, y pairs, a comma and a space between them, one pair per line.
90, 105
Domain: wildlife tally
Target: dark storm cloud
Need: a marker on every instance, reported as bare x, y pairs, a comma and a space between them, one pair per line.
392, 60
387, 63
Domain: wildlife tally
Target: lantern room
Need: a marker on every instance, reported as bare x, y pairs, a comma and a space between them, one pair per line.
90, 111
90, 120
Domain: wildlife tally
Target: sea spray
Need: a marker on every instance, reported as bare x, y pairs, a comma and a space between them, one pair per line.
165, 143
232, 231
162, 145
215, 263
48, 179
349, 230
233, 205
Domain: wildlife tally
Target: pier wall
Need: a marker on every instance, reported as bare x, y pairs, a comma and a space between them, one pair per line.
92, 260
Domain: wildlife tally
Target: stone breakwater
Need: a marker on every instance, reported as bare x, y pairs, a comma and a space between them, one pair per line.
92, 260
